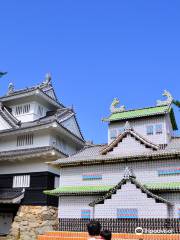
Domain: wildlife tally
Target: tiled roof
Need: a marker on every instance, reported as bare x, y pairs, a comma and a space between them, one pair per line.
27, 151
144, 112
90, 155
83, 190
42, 122
30, 91
8, 117
174, 186
78, 190
9, 196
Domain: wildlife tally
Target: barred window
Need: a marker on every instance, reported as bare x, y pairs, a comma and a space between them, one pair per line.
24, 140
21, 181
40, 110
21, 109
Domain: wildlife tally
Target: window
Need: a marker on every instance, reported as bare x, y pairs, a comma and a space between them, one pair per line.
91, 176
24, 140
21, 181
56, 182
159, 129
21, 109
40, 110
85, 213
127, 213
113, 134
171, 171
149, 130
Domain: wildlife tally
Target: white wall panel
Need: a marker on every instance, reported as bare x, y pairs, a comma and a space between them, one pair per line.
131, 197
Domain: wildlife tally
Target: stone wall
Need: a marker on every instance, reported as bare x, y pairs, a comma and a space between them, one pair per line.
31, 221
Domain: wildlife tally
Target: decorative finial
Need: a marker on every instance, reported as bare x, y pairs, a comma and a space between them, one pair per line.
168, 101
128, 173
10, 88
113, 107
127, 126
47, 80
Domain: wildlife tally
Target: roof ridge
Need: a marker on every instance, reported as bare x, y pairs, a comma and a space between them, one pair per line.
135, 109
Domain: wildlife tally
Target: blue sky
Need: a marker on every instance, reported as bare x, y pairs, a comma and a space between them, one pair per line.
96, 50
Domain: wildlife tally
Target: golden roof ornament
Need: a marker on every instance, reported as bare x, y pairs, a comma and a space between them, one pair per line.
115, 109
168, 101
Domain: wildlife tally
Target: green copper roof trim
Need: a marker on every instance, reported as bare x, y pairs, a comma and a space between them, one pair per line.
79, 190
163, 186
144, 112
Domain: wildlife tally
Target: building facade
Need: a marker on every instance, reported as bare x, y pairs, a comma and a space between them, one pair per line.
135, 175
35, 128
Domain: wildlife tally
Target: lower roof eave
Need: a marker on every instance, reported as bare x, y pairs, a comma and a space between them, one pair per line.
12, 201
76, 194
117, 159
23, 154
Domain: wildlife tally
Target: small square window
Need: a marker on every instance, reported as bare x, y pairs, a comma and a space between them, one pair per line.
85, 213
149, 130
113, 134
159, 129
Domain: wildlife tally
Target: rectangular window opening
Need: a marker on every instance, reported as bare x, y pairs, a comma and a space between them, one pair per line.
159, 129
149, 130
127, 213
91, 176
21, 181
24, 140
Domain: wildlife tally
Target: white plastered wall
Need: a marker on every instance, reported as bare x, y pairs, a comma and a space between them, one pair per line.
27, 166
71, 206
174, 198
71, 124
139, 126
129, 145
146, 172
131, 197
4, 124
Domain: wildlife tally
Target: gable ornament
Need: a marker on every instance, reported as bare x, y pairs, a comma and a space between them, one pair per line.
114, 108
168, 101
10, 88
